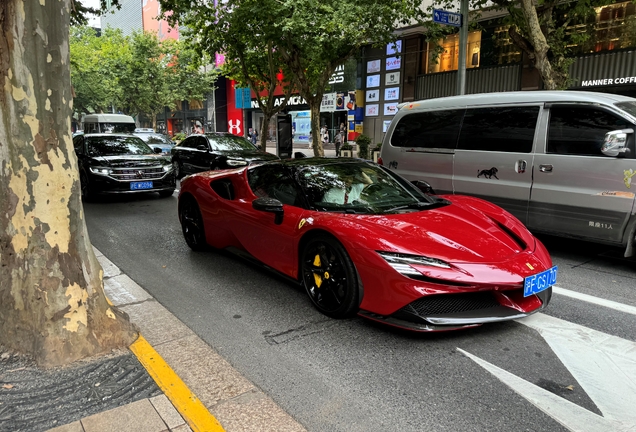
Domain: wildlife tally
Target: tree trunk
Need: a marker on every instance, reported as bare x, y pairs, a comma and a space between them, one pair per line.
314, 106
265, 129
52, 303
540, 45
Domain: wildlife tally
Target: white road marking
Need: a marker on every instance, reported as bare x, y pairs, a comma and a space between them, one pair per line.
604, 366
595, 300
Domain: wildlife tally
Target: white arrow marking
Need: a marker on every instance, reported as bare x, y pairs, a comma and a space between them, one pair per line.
604, 366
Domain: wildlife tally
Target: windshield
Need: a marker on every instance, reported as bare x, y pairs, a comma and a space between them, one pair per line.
359, 188
117, 127
116, 146
628, 107
154, 139
229, 143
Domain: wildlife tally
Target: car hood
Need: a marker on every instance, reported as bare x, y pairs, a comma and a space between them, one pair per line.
131, 160
249, 156
451, 233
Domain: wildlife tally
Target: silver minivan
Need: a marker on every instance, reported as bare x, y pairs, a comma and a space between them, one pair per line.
563, 162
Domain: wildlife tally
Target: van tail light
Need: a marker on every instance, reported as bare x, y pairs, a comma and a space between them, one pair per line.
380, 161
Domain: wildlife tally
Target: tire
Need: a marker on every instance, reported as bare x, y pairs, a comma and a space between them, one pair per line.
166, 193
329, 277
192, 224
87, 193
178, 169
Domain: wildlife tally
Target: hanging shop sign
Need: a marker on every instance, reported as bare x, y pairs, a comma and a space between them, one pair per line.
390, 109
393, 63
374, 66
372, 110
373, 81
392, 93
372, 95
328, 102
392, 78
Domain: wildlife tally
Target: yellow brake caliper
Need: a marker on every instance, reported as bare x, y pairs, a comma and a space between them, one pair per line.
317, 277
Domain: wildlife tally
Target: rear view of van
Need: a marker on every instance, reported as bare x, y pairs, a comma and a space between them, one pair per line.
108, 123
562, 162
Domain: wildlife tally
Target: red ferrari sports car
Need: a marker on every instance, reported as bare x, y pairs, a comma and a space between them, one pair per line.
362, 239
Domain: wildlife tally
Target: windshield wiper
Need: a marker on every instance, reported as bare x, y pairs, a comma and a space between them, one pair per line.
412, 206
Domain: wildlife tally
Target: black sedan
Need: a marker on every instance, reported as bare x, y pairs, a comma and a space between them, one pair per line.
214, 151
121, 163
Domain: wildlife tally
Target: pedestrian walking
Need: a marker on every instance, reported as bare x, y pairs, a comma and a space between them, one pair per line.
324, 134
338, 141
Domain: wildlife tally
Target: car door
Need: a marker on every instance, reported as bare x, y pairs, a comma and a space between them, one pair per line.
493, 159
423, 147
199, 154
577, 190
182, 153
272, 244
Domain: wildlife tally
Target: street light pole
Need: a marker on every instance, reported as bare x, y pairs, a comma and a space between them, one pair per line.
463, 41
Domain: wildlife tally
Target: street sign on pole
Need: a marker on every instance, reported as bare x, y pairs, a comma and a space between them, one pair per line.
448, 18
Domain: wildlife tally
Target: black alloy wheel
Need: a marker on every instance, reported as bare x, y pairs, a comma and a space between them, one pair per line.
192, 224
329, 277
178, 169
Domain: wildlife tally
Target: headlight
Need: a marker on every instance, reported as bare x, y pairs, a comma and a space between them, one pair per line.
236, 163
402, 263
101, 170
167, 168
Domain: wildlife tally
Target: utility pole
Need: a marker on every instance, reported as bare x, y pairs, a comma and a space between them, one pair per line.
463, 41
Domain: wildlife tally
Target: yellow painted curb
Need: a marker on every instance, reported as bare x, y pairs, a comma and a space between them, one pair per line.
191, 408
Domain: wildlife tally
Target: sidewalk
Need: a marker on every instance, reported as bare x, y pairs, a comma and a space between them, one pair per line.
201, 391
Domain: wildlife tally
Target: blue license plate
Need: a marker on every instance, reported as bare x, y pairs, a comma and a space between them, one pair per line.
140, 185
539, 282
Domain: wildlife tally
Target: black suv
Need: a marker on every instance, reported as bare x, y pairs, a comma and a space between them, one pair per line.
212, 151
121, 163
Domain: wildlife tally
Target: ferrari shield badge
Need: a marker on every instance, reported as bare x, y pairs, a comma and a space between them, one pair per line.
305, 221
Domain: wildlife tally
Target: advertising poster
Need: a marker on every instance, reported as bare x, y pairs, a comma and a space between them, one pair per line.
373, 81
385, 125
372, 110
373, 95
390, 109
374, 66
392, 93
394, 48
392, 78
340, 101
393, 63
328, 102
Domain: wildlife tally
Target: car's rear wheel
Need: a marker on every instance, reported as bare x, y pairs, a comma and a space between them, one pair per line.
192, 224
178, 169
329, 277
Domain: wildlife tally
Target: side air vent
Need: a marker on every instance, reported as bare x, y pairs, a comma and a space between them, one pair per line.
223, 188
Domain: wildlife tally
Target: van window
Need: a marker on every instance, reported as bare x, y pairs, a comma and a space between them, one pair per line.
580, 130
501, 129
433, 129
90, 128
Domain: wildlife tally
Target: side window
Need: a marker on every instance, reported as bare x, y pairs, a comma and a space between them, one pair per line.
201, 141
433, 129
579, 130
187, 143
90, 127
271, 182
78, 144
501, 129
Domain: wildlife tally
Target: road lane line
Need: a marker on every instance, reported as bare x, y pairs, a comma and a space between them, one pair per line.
595, 300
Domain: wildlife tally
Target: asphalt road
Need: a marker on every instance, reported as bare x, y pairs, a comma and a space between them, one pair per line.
572, 367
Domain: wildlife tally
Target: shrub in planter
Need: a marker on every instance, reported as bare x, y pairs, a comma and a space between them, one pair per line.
346, 150
363, 143
180, 136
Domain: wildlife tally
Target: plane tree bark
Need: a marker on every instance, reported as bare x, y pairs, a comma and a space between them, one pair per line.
52, 303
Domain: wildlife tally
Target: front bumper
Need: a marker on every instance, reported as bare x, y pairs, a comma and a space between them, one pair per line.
108, 185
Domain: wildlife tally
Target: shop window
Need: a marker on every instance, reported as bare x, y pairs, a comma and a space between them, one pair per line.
443, 55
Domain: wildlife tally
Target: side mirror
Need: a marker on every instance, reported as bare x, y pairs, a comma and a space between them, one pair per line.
270, 205
615, 143
202, 147
423, 186
157, 150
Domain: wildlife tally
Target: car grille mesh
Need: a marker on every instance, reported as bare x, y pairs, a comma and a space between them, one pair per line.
444, 304
146, 173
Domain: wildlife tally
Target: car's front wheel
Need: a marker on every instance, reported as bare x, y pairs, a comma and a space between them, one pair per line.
329, 277
87, 193
178, 169
192, 224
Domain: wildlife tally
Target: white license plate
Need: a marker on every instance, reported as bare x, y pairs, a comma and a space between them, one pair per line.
140, 185
541, 281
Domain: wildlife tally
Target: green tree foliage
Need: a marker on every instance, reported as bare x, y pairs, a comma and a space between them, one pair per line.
136, 74
309, 38
549, 32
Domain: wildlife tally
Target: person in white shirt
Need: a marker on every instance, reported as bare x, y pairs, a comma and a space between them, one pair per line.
350, 192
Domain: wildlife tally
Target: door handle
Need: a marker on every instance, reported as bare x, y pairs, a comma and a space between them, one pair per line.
520, 166
545, 168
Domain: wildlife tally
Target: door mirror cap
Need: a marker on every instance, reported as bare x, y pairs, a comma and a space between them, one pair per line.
157, 149
202, 147
615, 142
424, 187
270, 205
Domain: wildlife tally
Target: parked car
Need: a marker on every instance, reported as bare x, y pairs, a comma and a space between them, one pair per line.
121, 163
156, 140
214, 151
563, 162
380, 247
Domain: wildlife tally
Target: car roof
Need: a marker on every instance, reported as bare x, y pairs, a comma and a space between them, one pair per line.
544, 96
